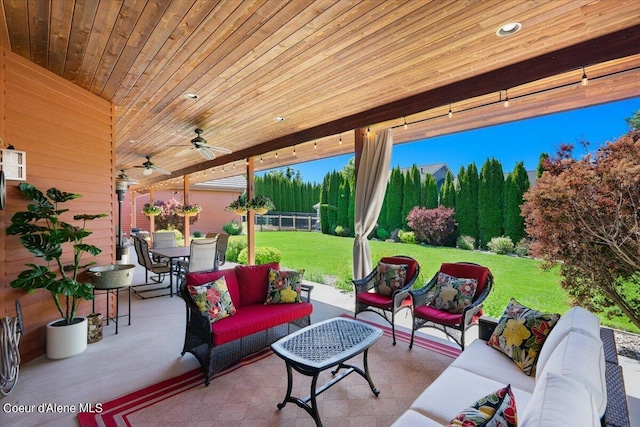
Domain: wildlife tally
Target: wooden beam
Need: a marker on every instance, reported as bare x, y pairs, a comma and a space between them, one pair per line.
4, 30
601, 49
360, 135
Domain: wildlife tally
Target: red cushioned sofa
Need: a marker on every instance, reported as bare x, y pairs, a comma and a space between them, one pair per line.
253, 327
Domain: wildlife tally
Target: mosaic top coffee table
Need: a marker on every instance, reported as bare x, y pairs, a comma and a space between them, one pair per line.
321, 346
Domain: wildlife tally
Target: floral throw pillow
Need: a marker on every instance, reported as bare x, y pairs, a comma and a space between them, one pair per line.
389, 278
213, 298
498, 409
453, 294
520, 334
284, 286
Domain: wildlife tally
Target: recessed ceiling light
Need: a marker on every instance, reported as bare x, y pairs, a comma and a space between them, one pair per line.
191, 95
509, 29
279, 119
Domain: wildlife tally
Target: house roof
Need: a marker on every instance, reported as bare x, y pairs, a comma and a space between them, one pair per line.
326, 66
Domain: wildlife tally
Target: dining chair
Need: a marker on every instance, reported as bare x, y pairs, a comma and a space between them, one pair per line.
144, 259
202, 257
223, 241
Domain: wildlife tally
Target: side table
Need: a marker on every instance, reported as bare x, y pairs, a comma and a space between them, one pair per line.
117, 314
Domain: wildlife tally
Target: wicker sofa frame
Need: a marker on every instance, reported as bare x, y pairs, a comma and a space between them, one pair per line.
469, 314
214, 358
617, 412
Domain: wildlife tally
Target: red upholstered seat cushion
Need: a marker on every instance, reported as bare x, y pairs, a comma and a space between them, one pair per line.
255, 318
253, 281
412, 265
375, 299
440, 316
195, 279
468, 272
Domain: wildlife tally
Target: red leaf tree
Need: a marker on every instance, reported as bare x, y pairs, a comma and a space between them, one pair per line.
585, 213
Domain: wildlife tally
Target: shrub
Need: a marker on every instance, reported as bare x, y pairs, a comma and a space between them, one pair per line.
466, 243
197, 234
522, 247
264, 255
382, 234
407, 237
342, 231
432, 226
394, 235
234, 247
233, 228
501, 245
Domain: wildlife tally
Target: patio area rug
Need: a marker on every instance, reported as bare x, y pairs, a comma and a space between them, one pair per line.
247, 393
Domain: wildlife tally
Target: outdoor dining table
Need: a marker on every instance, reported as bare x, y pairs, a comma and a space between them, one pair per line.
181, 252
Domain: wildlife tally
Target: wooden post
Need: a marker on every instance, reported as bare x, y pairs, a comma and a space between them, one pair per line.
187, 223
251, 227
152, 219
360, 136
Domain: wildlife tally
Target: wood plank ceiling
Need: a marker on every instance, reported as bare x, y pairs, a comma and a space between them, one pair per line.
325, 66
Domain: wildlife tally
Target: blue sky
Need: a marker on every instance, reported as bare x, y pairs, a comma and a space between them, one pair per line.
510, 143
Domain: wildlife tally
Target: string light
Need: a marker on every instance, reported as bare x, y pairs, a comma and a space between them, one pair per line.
405, 123
340, 141
315, 145
260, 159
506, 100
450, 112
294, 150
585, 80
276, 154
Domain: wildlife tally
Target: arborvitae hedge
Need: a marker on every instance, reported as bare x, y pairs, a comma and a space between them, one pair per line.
395, 220
412, 191
490, 201
518, 185
324, 209
448, 192
430, 192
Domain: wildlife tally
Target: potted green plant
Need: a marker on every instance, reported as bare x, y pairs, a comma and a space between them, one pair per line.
151, 210
46, 236
261, 204
239, 205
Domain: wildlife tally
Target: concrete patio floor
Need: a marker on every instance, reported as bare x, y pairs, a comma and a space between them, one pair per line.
148, 351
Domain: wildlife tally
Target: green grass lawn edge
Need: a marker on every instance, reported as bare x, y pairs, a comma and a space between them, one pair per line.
520, 278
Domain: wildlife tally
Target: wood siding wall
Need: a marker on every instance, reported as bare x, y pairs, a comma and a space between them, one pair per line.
68, 135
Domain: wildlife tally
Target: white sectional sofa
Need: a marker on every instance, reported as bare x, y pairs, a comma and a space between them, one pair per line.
569, 388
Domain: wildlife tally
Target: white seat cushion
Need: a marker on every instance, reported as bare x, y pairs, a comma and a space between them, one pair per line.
478, 357
577, 319
580, 358
456, 389
560, 402
413, 419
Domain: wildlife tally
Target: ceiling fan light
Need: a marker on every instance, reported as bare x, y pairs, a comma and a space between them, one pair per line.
147, 171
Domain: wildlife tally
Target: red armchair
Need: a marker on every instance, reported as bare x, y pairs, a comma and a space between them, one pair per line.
428, 311
386, 302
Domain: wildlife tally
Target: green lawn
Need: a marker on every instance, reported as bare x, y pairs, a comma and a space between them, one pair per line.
520, 278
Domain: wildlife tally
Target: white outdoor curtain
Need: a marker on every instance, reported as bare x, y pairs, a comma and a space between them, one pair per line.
371, 184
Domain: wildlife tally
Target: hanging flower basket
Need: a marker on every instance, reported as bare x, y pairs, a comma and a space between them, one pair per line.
188, 210
261, 204
239, 205
149, 210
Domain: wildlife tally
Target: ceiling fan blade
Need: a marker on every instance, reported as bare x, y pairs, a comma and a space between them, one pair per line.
206, 153
162, 171
184, 152
221, 150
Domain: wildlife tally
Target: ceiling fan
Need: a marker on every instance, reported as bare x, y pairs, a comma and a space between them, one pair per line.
149, 167
202, 146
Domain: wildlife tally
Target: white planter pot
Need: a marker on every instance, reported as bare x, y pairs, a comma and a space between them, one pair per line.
66, 341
